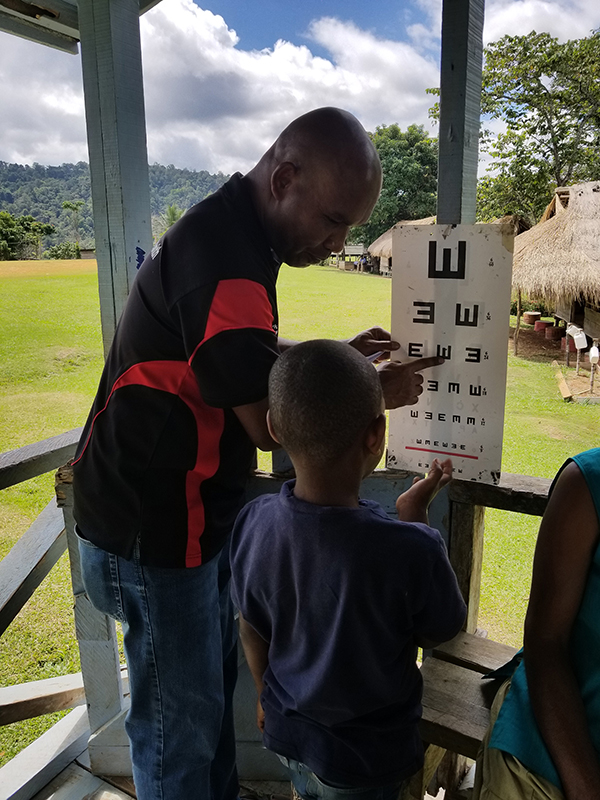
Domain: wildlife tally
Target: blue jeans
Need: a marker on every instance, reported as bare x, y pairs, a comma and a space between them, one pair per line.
180, 644
311, 787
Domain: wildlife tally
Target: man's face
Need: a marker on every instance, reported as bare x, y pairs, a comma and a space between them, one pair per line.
316, 211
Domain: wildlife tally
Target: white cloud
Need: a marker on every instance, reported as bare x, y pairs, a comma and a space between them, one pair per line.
564, 19
41, 104
212, 105
210, 102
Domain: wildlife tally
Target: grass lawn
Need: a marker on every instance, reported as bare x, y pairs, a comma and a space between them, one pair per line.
51, 355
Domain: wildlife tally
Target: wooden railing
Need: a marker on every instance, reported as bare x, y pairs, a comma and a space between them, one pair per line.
458, 513
21, 572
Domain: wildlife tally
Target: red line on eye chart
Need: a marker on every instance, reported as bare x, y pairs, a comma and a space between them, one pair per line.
441, 452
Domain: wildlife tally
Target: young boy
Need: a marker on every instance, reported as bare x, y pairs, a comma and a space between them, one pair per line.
334, 595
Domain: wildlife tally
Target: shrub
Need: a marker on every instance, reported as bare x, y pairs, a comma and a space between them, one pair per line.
63, 250
529, 305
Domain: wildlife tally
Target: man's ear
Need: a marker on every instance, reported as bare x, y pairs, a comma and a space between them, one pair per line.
375, 436
282, 177
270, 427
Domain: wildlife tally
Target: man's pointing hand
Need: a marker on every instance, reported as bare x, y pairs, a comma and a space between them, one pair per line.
402, 384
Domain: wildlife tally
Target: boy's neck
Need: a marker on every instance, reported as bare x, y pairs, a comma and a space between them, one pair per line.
337, 485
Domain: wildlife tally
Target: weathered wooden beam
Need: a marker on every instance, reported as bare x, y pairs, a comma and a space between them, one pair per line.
474, 652
35, 698
563, 386
523, 494
35, 459
109, 748
146, 5
456, 703
33, 32
48, 13
34, 767
460, 104
77, 783
466, 555
116, 129
29, 561
591, 322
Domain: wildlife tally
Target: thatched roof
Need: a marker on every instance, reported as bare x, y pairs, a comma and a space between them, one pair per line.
560, 257
382, 247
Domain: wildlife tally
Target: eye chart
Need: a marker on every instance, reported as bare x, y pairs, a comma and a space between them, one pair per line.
451, 298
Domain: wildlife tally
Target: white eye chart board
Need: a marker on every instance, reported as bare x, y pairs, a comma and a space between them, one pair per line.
451, 297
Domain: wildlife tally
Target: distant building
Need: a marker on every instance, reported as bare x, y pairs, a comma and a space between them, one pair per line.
349, 257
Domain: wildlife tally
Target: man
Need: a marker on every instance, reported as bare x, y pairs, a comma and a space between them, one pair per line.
160, 471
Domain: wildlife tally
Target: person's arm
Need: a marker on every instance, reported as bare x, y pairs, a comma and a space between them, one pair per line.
256, 651
566, 543
445, 610
412, 505
254, 420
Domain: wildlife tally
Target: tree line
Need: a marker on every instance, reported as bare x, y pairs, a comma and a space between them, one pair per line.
55, 196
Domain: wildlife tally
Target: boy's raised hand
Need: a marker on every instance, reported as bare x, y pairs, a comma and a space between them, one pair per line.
413, 503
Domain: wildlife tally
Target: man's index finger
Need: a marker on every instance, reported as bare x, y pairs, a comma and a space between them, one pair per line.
425, 363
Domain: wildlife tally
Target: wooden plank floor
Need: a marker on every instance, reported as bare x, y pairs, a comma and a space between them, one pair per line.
76, 783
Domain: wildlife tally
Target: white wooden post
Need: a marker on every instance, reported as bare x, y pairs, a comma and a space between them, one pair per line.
116, 130
460, 104
96, 634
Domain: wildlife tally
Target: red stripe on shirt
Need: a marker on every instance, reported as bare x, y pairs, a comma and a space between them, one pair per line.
176, 377
237, 303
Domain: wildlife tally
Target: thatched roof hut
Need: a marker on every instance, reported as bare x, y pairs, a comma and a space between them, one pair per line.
558, 260
382, 247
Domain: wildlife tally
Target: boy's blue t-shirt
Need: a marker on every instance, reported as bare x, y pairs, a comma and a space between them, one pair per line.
342, 594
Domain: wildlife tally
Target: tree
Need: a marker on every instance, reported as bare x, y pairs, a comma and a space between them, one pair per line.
63, 251
20, 237
409, 163
547, 94
518, 186
75, 206
162, 222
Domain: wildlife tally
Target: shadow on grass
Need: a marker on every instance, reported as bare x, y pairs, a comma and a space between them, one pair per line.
533, 346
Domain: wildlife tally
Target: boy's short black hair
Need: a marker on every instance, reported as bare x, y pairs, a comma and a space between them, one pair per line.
322, 397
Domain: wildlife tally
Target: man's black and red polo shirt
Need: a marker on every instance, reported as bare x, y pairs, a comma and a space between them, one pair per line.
163, 456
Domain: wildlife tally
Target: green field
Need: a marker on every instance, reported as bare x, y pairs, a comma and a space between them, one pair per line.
51, 356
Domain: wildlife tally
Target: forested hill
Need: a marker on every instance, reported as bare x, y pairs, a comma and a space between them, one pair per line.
41, 191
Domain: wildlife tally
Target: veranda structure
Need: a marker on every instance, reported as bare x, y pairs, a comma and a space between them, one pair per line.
455, 714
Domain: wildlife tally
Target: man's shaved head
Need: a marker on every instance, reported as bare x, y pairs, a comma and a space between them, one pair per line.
321, 176
330, 139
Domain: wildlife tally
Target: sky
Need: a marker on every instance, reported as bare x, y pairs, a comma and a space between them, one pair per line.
223, 77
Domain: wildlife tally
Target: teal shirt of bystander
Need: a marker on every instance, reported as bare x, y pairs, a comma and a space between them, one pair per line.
516, 731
